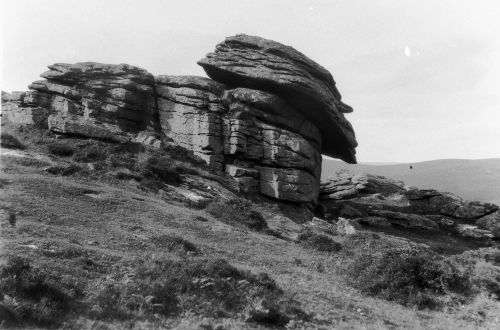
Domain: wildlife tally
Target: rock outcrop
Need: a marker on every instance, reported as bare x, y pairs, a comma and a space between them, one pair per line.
265, 116
346, 186
377, 201
103, 101
258, 63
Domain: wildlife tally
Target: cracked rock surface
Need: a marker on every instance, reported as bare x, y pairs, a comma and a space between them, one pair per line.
265, 115
258, 63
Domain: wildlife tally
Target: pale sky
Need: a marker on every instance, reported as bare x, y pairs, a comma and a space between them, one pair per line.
423, 77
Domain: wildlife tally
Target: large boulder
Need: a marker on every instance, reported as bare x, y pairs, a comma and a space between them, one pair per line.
285, 226
103, 101
258, 63
347, 185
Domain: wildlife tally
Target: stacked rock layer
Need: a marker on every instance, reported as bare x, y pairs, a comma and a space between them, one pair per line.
379, 201
265, 116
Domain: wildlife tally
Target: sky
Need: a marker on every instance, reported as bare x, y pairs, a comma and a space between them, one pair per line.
422, 76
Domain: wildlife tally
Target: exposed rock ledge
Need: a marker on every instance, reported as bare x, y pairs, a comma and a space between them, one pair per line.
378, 201
265, 118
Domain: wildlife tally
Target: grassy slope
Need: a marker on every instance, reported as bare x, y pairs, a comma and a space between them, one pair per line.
470, 179
109, 221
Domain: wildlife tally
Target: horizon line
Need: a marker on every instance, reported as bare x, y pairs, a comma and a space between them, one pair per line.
407, 162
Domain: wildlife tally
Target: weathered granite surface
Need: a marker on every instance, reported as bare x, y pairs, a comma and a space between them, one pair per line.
258, 63
190, 112
265, 117
102, 101
378, 201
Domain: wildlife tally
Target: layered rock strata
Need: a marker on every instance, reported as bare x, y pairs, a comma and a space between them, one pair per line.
265, 117
190, 113
263, 133
254, 62
110, 102
378, 201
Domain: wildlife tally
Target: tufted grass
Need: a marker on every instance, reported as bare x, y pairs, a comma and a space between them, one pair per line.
31, 295
61, 148
318, 242
10, 141
237, 212
410, 276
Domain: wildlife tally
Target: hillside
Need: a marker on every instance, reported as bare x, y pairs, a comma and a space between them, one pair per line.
100, 235
471, 179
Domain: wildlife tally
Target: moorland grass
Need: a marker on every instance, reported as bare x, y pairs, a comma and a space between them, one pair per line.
211, 287
61, 148
31, 295
173, 243
411, 276
318, 242
237, 212
10, 141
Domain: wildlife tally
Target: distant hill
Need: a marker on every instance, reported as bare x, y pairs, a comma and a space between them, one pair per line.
470, 179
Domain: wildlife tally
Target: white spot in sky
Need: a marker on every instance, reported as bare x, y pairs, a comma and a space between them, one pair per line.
311, 8
407, 51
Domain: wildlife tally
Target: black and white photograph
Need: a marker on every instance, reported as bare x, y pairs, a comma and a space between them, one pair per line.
264, 164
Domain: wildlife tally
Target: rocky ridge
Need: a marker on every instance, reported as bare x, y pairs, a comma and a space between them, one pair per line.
376, 201
265, 116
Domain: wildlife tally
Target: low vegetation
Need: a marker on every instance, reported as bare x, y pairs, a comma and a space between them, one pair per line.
9, 141
211, 287
155, 168
414, 275
66, 169
484, 268
162, 168
237, 212
61, 148
318, 242
139, 288
410, 276
173, 243
91, 153
31, 295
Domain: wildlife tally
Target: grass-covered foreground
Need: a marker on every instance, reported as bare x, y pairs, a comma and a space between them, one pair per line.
102, 236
